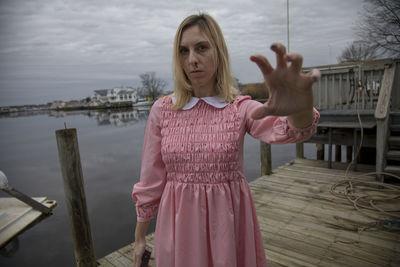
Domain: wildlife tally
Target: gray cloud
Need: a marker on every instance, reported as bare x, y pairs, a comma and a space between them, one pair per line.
66, 49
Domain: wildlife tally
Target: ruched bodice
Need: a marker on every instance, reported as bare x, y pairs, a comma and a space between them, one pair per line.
201, 145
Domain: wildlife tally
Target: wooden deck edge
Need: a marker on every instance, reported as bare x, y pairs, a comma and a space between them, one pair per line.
28, 218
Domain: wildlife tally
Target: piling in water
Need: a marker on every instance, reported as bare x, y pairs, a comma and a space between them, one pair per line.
71, 169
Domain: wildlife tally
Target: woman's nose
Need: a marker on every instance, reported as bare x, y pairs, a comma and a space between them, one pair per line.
193, 58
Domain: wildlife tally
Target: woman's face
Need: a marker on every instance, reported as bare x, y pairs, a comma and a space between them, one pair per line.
197, 58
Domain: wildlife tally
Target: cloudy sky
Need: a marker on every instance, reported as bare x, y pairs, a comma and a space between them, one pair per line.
63, 50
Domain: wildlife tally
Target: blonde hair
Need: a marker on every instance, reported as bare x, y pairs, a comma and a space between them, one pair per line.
225, 83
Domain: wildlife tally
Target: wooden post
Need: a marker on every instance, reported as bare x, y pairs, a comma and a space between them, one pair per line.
355, 149
349, 153
330, 148
70, 163
382, 130
300, 150
382, 113
338, 153
265, 153
320, 151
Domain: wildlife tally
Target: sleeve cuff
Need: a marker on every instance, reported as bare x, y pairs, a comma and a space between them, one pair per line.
146, 213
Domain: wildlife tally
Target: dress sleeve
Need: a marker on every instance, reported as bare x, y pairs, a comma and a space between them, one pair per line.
275, 129
147, 192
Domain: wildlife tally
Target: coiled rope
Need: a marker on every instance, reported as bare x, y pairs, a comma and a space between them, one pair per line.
354, 187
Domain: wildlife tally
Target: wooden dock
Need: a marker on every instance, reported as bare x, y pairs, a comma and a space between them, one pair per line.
303, 224
16, 217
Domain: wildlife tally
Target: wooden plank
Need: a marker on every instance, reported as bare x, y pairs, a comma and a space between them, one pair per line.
371, 84
393, 155
366, 246
124, 256
382, 106
319, 173
347, 124
309, 254
104, 262
340, 91
334, 97
298, 203
311, 218
265, 155
395, 105
272, 263
319, 93
326, 93
18, 216
281, 258
336, 165
118, 259
317, 233
352, 217
329, 223
308, 242
348, 86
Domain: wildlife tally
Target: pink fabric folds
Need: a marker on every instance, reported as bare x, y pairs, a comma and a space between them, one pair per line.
192, 174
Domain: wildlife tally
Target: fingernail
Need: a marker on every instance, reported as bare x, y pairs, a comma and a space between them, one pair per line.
274, 46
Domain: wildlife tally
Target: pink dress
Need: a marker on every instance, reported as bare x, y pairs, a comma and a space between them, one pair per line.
192, 174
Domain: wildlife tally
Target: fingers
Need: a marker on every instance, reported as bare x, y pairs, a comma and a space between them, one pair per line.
280, 51
282, 59
314, 75
263, 63
137, 262
296, 60
260, 112
138, 253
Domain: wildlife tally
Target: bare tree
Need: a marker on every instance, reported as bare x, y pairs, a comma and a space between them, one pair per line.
151, 86
255, 90
380, 25
358, 51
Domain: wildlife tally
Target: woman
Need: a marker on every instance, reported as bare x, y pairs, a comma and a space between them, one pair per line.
192, 165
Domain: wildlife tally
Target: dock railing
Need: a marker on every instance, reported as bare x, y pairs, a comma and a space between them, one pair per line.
351, 86
382, 116
366, 86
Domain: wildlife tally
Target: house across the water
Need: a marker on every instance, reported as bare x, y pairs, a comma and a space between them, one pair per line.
115, 95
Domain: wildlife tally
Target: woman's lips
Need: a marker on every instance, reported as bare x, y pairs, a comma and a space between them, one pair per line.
196, 73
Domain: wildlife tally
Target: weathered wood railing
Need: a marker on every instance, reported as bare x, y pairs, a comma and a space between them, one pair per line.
382, 114
350, 85
364, 86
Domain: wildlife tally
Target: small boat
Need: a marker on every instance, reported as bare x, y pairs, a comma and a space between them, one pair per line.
143, 103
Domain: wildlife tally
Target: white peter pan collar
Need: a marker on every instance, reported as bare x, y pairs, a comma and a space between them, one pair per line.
215, 101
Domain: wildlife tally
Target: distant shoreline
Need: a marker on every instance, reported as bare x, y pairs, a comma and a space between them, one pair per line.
47, 107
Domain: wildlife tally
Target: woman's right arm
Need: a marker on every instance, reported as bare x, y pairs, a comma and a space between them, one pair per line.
140, 242
147, 192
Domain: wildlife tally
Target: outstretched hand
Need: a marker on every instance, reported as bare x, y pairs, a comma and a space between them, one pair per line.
290, 91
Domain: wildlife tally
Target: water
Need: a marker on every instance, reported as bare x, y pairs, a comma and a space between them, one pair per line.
110, 144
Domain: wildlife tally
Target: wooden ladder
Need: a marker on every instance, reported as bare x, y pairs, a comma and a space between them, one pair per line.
393, 152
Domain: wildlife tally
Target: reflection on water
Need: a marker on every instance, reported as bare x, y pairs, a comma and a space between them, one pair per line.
110, 144
117, 117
